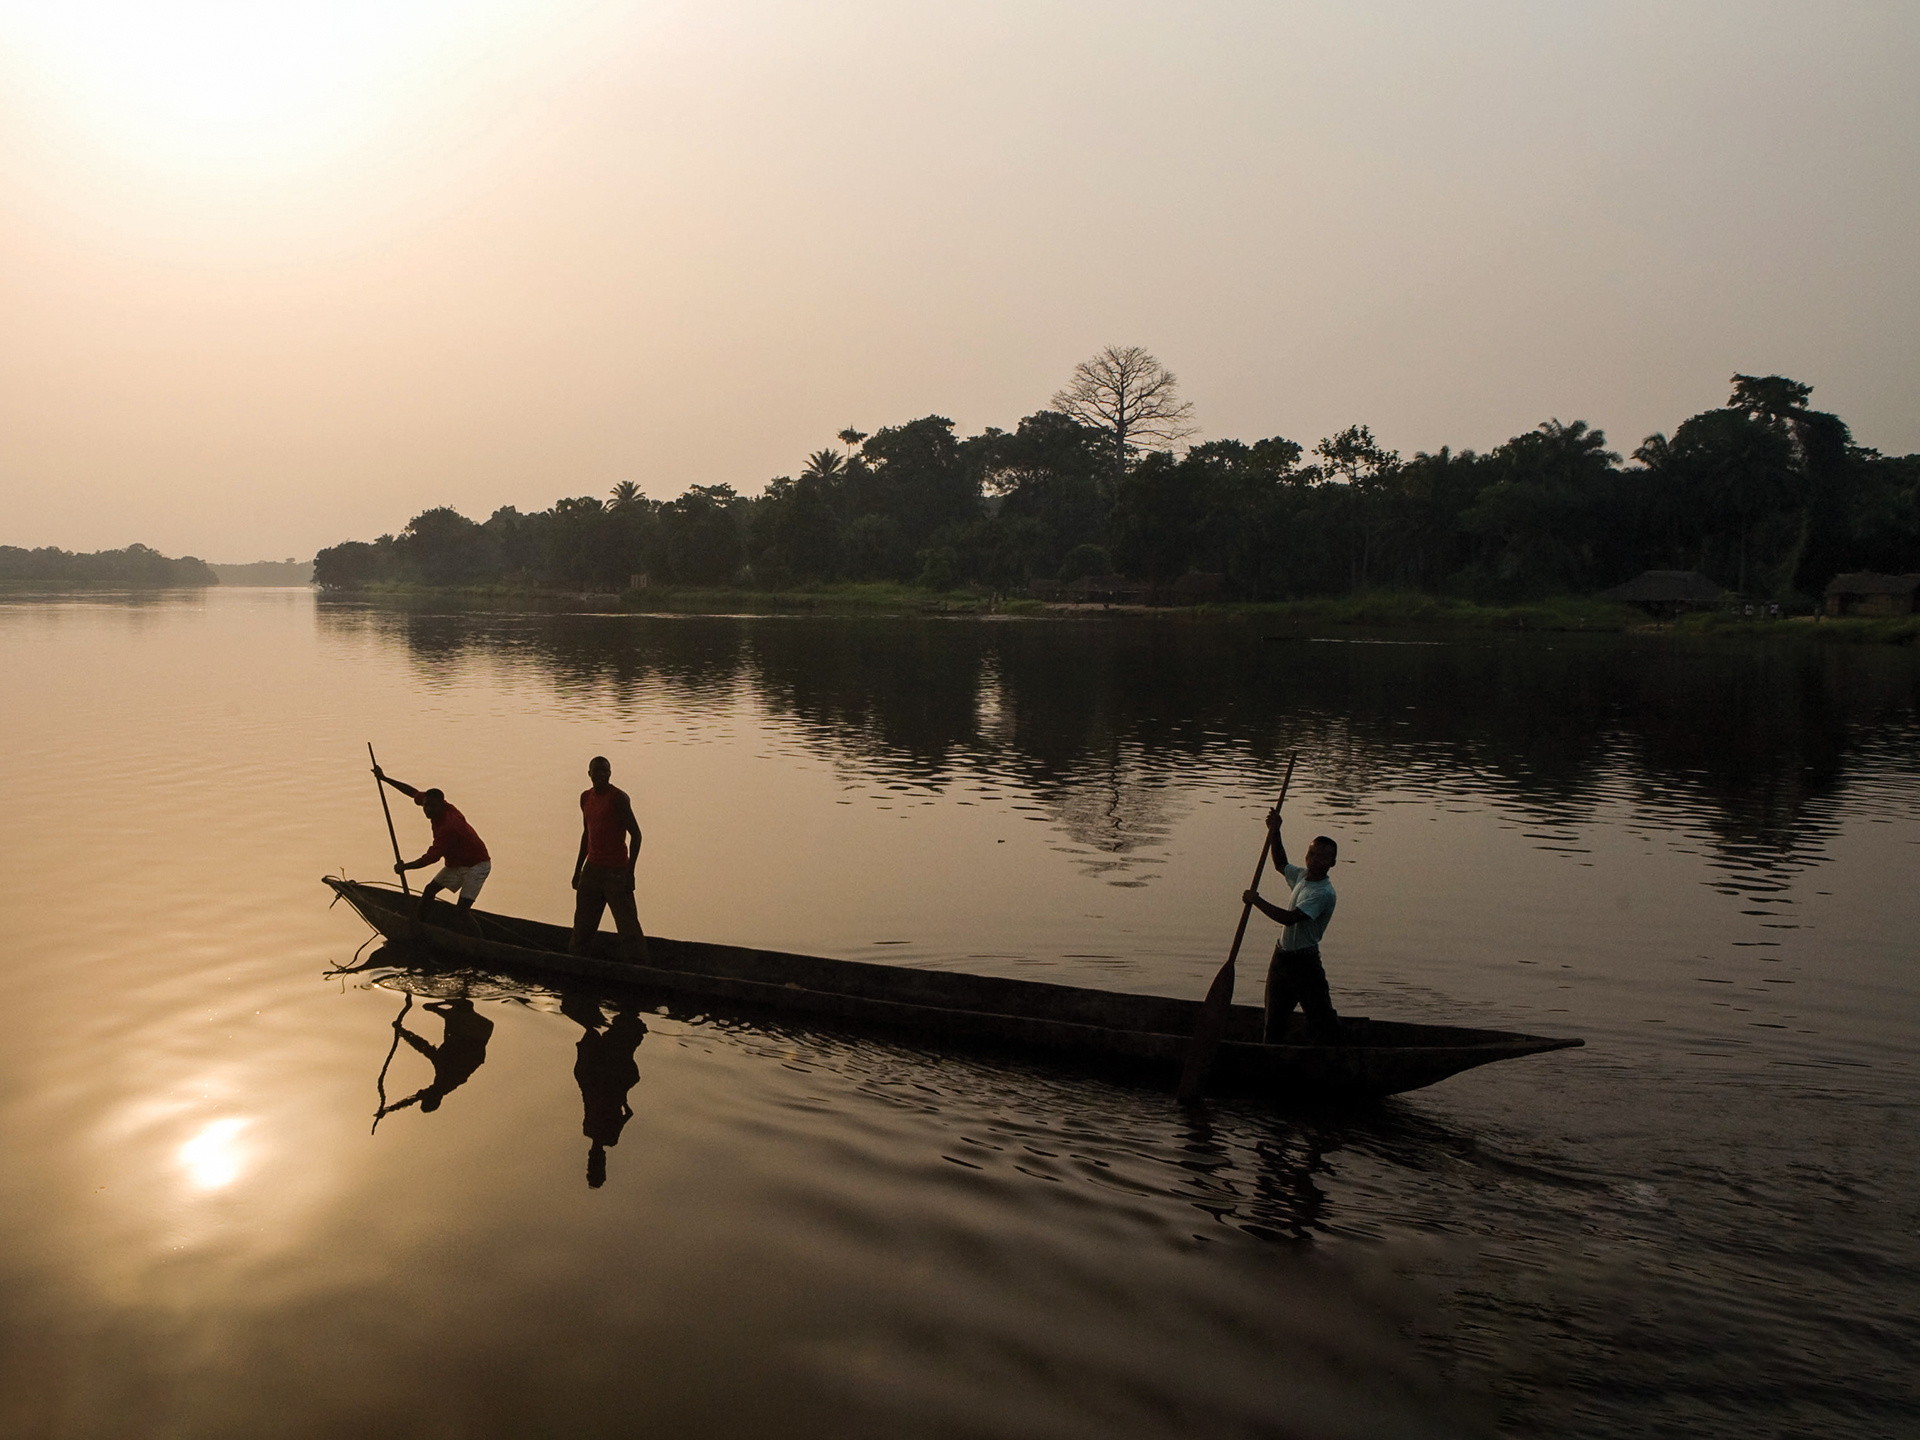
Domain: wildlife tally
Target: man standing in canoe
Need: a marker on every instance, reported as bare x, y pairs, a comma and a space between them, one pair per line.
1296, 976
603, 870
465, 862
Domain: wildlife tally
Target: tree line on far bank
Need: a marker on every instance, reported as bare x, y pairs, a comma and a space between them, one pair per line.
135, 568
1764, 495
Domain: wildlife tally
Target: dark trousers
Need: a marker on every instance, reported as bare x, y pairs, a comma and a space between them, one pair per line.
603, 888
1296, 977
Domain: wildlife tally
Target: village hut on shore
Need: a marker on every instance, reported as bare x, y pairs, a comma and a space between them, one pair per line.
1667, 593
1108, 590
1199, 588
1870, 594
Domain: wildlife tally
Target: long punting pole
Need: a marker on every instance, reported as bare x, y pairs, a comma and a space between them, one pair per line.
1215, 1009
381, 787
380, 1085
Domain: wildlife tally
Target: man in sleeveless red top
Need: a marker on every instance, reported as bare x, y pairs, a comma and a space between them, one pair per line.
465, 862
603, 870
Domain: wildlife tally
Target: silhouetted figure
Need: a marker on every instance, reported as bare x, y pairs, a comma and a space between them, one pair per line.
461, 1051
606, 1070
1295, 975
603, 870
466, 862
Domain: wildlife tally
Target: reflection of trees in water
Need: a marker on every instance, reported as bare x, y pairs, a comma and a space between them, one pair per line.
1742, 746
904, 695
1110, 814
584, 658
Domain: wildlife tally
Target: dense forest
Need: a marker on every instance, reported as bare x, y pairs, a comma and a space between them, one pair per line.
1765, 495
134, 568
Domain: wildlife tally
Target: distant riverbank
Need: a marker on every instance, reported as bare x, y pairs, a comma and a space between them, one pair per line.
268, 574
887, 598
138, 567
1382, 610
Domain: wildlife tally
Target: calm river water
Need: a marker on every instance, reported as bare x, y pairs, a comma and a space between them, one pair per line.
1701, 859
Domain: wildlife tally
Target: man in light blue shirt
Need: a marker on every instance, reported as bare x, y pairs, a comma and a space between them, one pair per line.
1295, 976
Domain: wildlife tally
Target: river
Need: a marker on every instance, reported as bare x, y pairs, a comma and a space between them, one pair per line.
1699, 857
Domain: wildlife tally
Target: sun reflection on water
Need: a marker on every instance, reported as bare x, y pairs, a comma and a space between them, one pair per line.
214, 1158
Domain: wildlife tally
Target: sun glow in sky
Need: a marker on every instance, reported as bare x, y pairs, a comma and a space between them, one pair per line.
181, 84
279, 274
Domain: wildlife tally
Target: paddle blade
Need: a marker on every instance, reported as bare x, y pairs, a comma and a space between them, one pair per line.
1209, 1028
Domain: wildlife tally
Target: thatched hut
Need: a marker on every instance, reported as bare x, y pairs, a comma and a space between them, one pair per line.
1870, 594
1108, 590
1667, 593
1198, 588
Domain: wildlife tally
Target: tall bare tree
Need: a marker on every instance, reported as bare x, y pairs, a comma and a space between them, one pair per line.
1132, 396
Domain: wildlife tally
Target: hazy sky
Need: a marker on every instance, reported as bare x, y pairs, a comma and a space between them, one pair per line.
277, 275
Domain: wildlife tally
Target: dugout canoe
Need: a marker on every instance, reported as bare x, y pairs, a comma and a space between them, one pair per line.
1146, 1032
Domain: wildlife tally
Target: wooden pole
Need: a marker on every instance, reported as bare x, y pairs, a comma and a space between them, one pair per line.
381, 786
380, 1085
1211, 1023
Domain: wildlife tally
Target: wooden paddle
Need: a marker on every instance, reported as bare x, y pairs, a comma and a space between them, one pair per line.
380, 785
1215, 1009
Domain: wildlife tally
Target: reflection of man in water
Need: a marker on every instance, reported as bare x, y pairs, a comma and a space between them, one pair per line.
605, 1067
1296, 976
603, 870
461, 1051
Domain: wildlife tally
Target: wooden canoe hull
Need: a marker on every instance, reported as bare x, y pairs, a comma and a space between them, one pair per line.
1140, 1031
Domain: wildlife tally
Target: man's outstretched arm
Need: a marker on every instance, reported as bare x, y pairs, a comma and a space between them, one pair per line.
434, 852
400, 785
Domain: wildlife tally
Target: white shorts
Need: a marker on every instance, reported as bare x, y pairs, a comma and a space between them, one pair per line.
467, 879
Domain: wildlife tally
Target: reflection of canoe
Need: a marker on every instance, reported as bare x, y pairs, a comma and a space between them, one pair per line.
1379, 1057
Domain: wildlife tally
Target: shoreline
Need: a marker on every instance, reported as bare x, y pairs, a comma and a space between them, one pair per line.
1384, 610
1378, 611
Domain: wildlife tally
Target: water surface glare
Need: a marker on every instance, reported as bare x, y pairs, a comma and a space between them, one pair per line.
1701, 859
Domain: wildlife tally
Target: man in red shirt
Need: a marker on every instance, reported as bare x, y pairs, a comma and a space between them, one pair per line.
466, 863
603, 870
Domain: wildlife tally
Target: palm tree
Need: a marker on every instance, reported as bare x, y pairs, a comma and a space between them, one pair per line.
823, 465
625, 495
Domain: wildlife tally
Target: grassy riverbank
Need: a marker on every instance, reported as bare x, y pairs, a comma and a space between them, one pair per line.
1384, 609
874, 598
1852, 630
1377, 610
